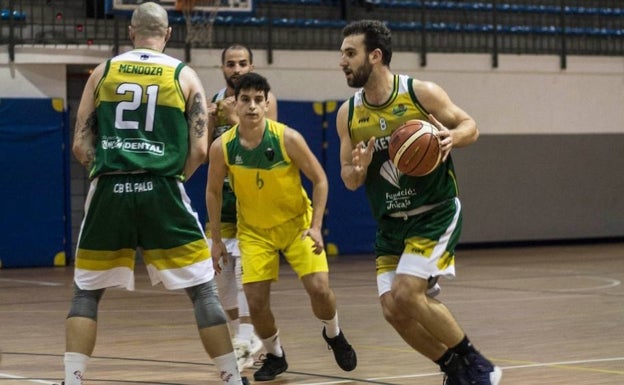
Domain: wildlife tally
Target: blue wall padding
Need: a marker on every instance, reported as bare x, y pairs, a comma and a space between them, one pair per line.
349, 221
196, 190
348, 224
35, 184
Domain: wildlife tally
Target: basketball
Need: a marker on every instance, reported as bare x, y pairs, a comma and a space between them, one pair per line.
414, 148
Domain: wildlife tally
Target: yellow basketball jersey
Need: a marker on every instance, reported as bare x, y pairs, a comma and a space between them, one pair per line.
266, 183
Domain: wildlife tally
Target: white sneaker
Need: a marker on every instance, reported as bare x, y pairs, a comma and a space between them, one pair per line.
495, 375
434, 290
255, 344
242, 350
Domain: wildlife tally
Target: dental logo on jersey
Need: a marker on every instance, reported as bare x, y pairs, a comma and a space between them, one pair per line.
399, 110
111, 142
141, 146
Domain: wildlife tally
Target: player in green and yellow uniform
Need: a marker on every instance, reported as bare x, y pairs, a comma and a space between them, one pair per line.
419, 218
141, 131
264, 159
236, 60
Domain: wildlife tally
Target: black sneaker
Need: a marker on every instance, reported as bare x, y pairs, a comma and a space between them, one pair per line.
480, 371
452, 380
245, 381
272, 365
343, 352
454, 371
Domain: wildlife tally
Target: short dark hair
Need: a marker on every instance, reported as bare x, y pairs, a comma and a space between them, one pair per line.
376, 36
236, 47
254, 81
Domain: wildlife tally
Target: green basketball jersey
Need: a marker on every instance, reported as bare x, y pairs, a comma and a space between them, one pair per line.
140, 115
388, 189
266, 182
228, 208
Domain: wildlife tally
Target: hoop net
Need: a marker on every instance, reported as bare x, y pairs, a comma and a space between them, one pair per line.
199, 16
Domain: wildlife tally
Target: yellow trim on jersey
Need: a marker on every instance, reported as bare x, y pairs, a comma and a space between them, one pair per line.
156, 71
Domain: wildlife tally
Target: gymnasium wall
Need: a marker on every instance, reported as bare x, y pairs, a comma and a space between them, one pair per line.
548, 164
34, 195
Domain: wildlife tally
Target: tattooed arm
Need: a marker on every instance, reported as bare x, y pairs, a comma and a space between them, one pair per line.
197, 119
85, 132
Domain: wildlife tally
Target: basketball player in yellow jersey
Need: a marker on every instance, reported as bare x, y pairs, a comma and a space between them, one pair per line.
236, 60
264, 160
141, 131
419, 218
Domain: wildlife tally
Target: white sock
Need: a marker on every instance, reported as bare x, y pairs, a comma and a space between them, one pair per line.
75, 367
245, 331
331, 326
273, 345
234, 326
228, 370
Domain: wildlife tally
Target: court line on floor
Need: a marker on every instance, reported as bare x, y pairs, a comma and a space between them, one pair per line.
27, 379
566, 364
37, 283
378, 380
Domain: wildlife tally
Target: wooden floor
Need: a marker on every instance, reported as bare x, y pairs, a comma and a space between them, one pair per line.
547, 315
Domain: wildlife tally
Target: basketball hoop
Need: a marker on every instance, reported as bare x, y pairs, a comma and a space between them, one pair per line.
199, 16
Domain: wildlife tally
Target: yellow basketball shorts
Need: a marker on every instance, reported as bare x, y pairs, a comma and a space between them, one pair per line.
260, 250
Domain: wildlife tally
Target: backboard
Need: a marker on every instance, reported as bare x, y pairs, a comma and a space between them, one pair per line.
224, 6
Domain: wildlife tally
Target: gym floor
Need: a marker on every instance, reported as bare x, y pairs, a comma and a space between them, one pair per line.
548, 315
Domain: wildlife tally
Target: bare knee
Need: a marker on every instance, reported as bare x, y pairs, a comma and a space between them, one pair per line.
258, 296
317, 287
409, 292
392, 313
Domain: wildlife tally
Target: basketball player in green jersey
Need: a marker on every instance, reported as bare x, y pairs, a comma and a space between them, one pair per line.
141, 131
264, 160
419, 218
236, 60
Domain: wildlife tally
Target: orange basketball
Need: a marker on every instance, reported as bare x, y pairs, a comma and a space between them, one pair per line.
414, 148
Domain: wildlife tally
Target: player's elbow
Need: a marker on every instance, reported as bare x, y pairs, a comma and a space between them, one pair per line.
200, 153
350, 184
76, 151
79, 152
466, 137
351, 178
475, 135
